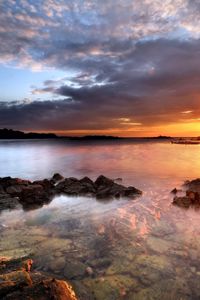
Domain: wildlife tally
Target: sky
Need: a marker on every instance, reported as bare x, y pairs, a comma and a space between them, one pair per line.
114, 67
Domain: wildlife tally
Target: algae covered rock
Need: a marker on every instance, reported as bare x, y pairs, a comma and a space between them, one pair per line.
74, 269
111, 287
18, 282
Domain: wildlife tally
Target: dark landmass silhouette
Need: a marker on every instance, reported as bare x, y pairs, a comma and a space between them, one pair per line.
95, 137
6, 133
13, 134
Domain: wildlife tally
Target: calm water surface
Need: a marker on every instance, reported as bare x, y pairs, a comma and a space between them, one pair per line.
137, 249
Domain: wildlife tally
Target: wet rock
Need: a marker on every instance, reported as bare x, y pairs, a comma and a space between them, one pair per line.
57, 264
35, 194
20, 277
46, 184
27, 265
89, 271
111, 287
56, 244
74, 269
174, 191
107, 188
159, 245
56, 178
193, 185
55, 289
192, 195
101, 263
15, 190
16, 252
17, 283
68, 185
8, 202
119, 179
182, 201
88, 184
9, 181
103, 181
1, 190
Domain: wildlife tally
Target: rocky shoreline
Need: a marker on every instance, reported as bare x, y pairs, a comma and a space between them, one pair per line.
18, 281
191, 197
34, 194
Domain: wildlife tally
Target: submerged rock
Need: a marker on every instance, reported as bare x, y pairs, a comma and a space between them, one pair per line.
74, 269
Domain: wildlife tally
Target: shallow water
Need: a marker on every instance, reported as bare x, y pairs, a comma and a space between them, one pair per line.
137, 249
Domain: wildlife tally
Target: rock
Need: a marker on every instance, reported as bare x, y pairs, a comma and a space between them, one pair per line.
66, 184
119, 179
88, 184
27, 265
8, 202
107, 188
174, 191
74, 269
103, 181
111, 287
1, 190
9, 181
35, 194
56, 178
15, 189
131, 192
101, 263
45, 183
17, 283
193, 185
159, 245
89, 271
182, 201
20, 277
192, 195
57, 289
57, 264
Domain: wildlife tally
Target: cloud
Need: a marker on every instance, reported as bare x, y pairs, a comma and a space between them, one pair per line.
54, 34
128, 63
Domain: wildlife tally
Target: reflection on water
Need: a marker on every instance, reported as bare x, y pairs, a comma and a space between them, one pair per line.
140, 249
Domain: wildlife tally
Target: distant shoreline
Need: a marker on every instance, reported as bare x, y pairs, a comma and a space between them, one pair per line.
10, 134
6, 134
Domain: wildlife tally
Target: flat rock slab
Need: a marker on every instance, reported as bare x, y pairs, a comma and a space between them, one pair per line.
31, 195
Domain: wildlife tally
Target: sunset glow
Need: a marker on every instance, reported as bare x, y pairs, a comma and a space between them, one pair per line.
128, 68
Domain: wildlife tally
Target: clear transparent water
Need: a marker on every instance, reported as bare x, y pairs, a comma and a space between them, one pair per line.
137, 249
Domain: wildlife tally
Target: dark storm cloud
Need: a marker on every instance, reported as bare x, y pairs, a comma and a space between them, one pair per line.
126, 62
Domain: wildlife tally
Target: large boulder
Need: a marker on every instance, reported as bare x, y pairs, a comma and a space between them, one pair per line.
192, 195
182, 201
34, 196
107, 188
73, 186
